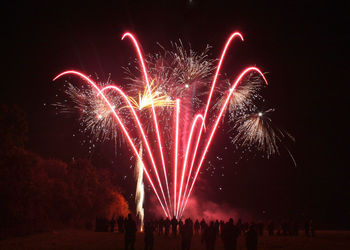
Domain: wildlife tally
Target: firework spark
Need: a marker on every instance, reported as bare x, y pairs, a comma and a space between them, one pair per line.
147, 98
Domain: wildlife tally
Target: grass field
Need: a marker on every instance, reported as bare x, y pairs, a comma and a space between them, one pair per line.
74, 239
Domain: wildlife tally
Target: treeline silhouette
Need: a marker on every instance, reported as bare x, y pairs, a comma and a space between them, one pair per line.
38, 194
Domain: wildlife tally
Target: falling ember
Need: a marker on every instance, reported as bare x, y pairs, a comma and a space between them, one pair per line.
184, 76
140, 190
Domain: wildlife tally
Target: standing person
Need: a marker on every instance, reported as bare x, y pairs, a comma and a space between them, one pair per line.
174, 226
191, 223
106, 224
284, 226
222, 224
120, 222
167, 226
160, 226
307, 228
112, 224
226, 235
196, 227
217, 225
239, 225
252, 239
260, 228
203, 225
312, 228
130, 233
230, 234
271, 228
181, 226
295, 227
209, 236
149, 238
186, 235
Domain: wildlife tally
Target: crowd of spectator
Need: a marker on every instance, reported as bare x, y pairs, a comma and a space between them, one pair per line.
209, 232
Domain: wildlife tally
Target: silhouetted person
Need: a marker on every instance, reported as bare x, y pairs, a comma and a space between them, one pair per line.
279, 231
203, 225
284, 226
307, 228
217, 225
120, 222
181, 226
106, 224
191, 224
160, 226
112, 224
312, 228
271, 228
239, 225
295, 227
222, 224
209, 236
196, 227
260, 227
174, 226
252, 239
290, 227
130, 233
186, 235
97, 224
230, 234
149, 238
245, 227
167, 226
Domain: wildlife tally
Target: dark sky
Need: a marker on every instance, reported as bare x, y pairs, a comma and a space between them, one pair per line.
303, 47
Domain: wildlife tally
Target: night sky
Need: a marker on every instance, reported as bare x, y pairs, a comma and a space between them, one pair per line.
303, 47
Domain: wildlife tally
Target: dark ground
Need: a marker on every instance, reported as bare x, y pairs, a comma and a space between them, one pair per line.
74, 239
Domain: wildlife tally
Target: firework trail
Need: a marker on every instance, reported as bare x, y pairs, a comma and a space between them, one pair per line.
165, 107
140, 190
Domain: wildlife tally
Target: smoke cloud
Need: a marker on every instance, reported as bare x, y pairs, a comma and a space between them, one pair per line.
198, 208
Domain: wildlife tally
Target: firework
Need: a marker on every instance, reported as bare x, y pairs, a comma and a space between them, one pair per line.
140, 190
99, 93
178, 72
177, 81
243, 98
147, 98
94, 114
256, 129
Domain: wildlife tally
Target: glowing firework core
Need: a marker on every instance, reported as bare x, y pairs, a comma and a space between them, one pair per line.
148, 97
187, 168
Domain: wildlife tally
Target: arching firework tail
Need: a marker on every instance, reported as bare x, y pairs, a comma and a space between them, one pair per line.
181, 194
